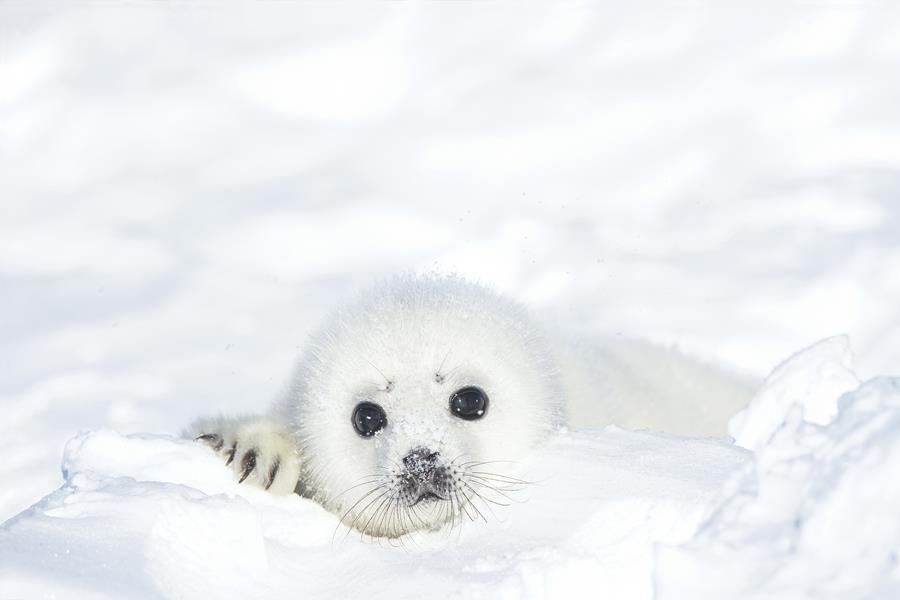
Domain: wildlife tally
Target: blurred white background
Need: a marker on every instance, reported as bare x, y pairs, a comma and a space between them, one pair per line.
186, 189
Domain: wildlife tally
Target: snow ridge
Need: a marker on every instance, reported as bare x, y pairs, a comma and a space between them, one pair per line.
811, 510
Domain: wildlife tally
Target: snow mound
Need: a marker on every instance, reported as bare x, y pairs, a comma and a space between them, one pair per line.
810, 509
817, 513
150, 516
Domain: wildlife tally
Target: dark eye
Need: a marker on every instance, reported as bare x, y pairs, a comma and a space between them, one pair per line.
468, 403
368, 418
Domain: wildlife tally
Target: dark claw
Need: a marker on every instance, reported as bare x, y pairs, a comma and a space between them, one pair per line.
248, 463
231, 454
213, 439
273, 472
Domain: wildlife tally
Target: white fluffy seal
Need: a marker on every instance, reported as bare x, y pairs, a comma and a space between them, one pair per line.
405, 406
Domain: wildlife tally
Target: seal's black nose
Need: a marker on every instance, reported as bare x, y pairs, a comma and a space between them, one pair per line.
421, 463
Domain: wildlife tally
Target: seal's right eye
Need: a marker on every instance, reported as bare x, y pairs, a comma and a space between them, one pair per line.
368, 418
469, 403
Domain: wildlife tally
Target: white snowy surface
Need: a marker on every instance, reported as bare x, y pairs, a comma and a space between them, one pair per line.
812, 513
132, 515
186, 190
815, 513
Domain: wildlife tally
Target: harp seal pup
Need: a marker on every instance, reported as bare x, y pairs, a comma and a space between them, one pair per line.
403, 408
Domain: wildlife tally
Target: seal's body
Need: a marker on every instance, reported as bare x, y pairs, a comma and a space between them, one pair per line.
404, 408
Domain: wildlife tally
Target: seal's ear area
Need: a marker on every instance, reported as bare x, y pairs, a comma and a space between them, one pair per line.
259, 450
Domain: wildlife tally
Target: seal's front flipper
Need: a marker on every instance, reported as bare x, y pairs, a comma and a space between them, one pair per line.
259, 450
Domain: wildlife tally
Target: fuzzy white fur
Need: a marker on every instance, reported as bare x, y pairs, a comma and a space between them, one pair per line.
407, 345
270, 440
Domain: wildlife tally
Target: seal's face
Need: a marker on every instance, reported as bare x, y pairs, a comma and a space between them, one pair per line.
416, 403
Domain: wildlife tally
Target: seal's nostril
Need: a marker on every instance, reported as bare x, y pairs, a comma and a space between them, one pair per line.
424, 477
420, 461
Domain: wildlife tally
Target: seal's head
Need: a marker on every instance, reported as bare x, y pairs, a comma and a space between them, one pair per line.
408, 404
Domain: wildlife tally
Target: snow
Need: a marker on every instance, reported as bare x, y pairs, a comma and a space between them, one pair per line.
815, 513
165, 516
811, 512
187, 190
811, 381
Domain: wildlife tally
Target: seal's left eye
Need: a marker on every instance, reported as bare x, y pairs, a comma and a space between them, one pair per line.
368, 418
469, 403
